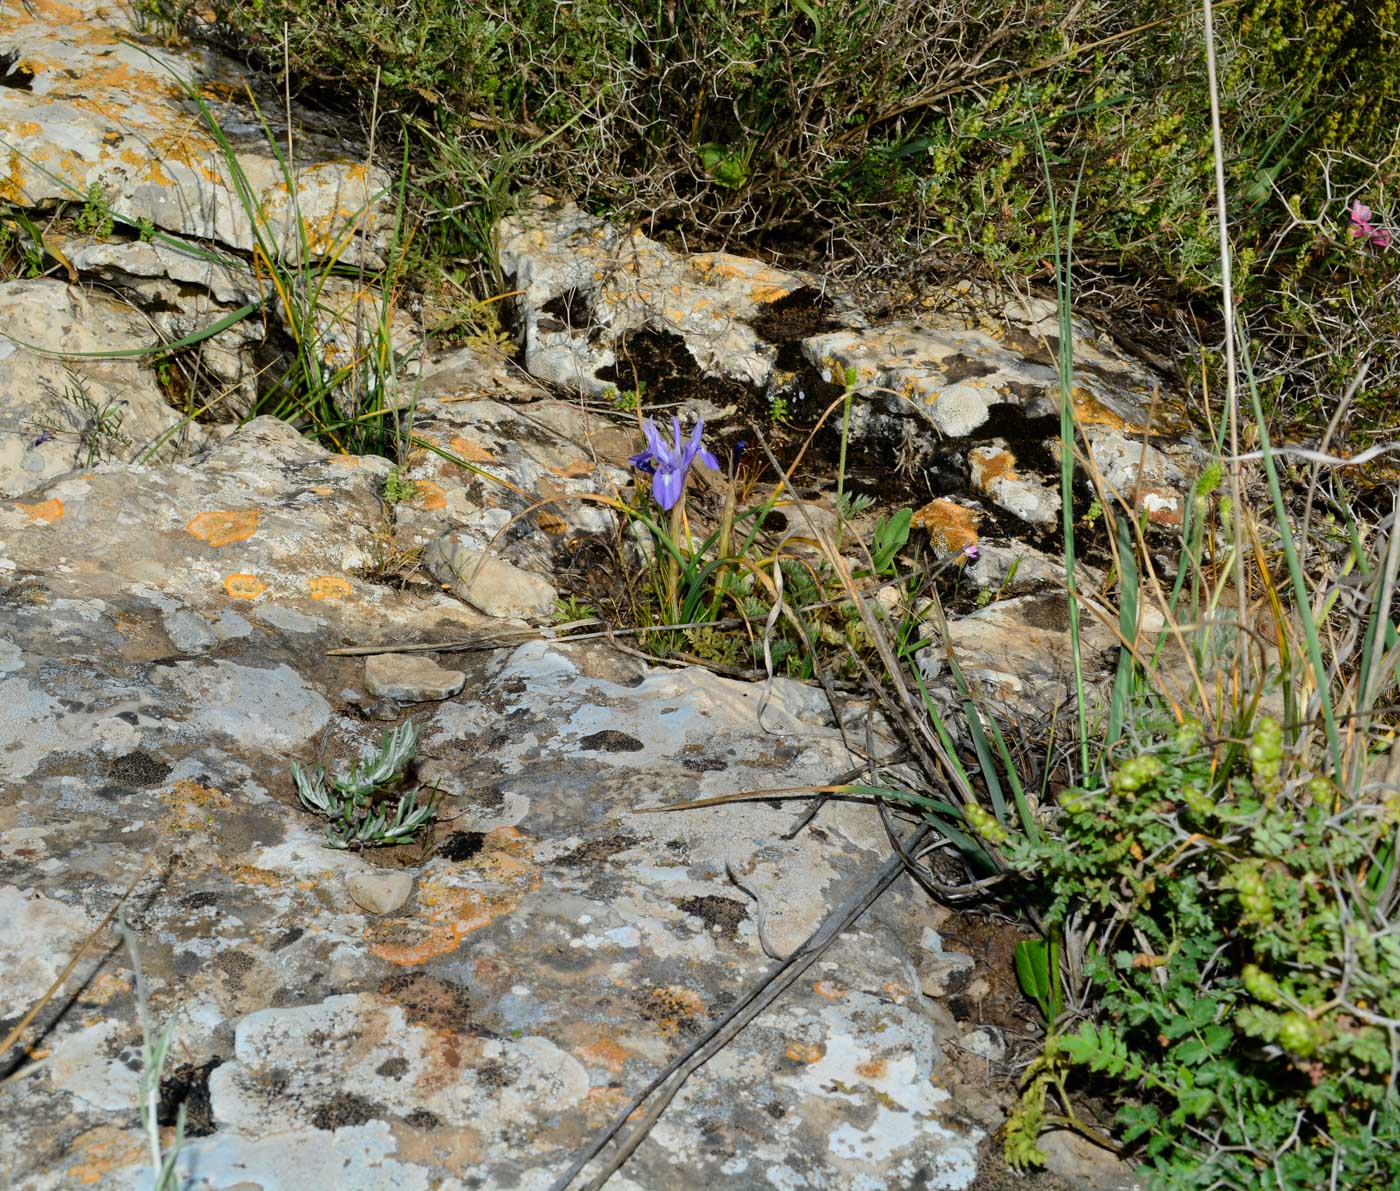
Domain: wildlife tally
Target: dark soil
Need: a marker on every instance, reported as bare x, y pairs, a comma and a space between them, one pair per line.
187, 1087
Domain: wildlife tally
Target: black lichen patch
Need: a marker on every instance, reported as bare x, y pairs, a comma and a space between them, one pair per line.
722, 914
187, 1086
421, 1118
610, 740
462, 845
235, 965
345, 1108
494, 1074
598, 849
199, 900
138, 768
429, 1001
703, 764
394, 1068
288, 937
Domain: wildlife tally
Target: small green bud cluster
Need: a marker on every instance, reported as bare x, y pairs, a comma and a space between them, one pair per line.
1135, 773
1247, 880
1266, 755
984, 824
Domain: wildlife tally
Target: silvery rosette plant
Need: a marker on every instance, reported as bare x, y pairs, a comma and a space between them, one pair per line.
367, 807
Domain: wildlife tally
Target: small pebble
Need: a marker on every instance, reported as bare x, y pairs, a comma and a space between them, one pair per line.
380, 891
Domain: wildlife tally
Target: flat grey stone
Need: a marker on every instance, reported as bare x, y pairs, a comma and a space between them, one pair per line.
410, 679
944, 975
986, 1042
488, 583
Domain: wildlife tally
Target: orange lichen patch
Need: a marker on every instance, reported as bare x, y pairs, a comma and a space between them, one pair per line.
604, 1099
672, 1009
874, 1069
27, 128
12, 187
189, 146
103, 1151
765, 284
548, 519
329, 587
105, 989
897, 992
429, 496
575, 470
192, 805
449, 912
989, 464
469, 451
452, 917
551, 522
605, 1053
47, 511
224, 526
348, 460
949, 525
246, 874
244, 587
830, 990
322, 489
1090, 411
804, 1052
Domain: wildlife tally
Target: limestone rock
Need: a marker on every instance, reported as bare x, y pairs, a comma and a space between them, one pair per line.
985, 1042
135, 133
487, 582
1083, 1164
410, 678
994, 473
60, 414
945, 974
587, 283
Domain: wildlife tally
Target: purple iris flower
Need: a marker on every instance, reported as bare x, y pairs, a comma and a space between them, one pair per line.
668, 463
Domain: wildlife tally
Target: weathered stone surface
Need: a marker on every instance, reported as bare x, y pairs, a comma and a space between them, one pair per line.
473, 1016
410, 678
486, 582
994, 473
586, 283
1084, 1165
985, 1042
1017, 651
61, 413
560, 945
549, 468
471, 374
134, 130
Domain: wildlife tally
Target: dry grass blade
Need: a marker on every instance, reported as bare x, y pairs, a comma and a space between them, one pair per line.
38, 1007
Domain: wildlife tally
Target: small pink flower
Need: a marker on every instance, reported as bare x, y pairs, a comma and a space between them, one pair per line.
969, 552
1363, 229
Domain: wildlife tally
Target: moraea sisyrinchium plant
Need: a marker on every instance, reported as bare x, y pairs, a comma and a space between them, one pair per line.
668, 463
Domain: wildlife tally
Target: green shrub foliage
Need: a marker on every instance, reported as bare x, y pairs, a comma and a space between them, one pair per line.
904, 129
1245, 965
